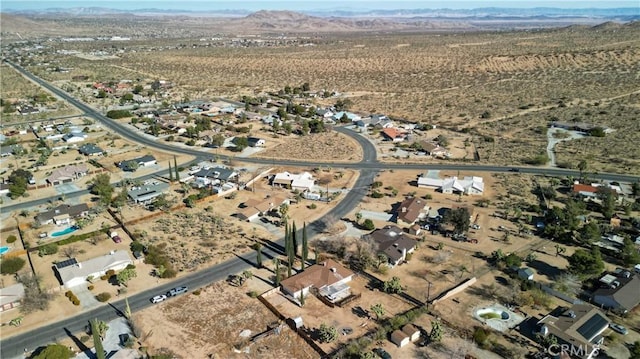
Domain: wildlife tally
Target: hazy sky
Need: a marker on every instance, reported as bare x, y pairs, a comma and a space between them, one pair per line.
313, 4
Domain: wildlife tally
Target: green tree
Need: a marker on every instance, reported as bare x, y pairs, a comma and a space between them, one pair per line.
582, 167
294, 240
634, 350
305, 127
55, 351
392, 285
175, 167
276, 263
378, 310
283, 210
127, 309
170, 173
358, 217
327, 333
586, 264
17, 188
460, 218
368, 224
608, 198
102, 188
559, 249
126, 275
98, 334
305, 245
629, 252
589, 233
11, 265
435, 335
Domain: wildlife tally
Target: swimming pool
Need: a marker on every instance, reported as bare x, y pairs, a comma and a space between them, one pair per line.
3, 250
64, 231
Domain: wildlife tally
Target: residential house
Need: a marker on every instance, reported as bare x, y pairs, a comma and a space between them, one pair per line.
619, 291
393, 244
590, 191
6, 151
73, 137
4, 189
72, 273
148, 192
253, 208
433, 149
580, 326
256, 142
67, 174
525, 273
350, 115
411, 210
394, 134
400, 338
63, 214
302, 182
134, 164
11, 297
329, 278
324, 113
90, 149
411, 331
468, 185
213, 175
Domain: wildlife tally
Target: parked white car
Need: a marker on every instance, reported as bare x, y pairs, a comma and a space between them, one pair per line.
158, 298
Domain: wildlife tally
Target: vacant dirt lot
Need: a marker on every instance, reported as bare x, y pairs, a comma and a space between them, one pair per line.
197, 326
330, 146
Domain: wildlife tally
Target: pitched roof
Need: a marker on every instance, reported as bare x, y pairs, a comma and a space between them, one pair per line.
93, 265
146, 192
393, 133
90, 149
579, 325
627, 294
584, 188
392, 241
72, 211
318, 275
410, 209
11, 294
221, 173
67, 172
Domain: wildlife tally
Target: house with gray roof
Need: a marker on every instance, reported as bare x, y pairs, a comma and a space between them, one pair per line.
63, 214
580, 327
214, 175
134, 164
146, 193
72, 273
393, 243
90, 149
6, 151
73, 137
619, 291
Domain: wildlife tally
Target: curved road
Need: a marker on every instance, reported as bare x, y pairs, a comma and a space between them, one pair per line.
368, 166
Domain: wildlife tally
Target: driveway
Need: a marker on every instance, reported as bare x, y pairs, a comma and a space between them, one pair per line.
376, 216
277, 231
87, 299
66, 188
111, 342
553, 141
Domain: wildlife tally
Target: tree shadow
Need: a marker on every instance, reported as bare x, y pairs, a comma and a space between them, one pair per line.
81, 346
545, 268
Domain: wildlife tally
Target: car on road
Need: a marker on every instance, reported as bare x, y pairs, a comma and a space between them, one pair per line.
382, 353
175, 291
618, 328
514, 169
159, 298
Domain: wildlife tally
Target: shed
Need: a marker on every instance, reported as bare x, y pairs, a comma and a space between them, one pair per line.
525, 273
399, 338
412, 331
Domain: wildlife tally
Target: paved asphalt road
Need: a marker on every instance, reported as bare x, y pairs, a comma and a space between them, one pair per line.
369, 167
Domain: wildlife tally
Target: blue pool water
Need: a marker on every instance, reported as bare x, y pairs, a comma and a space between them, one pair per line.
65, 231
3, 250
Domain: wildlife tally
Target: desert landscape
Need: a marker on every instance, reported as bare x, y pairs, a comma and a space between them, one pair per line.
463, 176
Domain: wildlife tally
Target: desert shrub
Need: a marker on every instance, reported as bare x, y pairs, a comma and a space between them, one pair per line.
368, 224
103, 297
253, 294
90, 287
47, 249
116, 114
131, 266
12, 239
197, 292
312, 206
136, 246
11, 265
84, 338
377, 194
68, 294
110, 272
480, 336
169, 273
76, 301
103, 277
